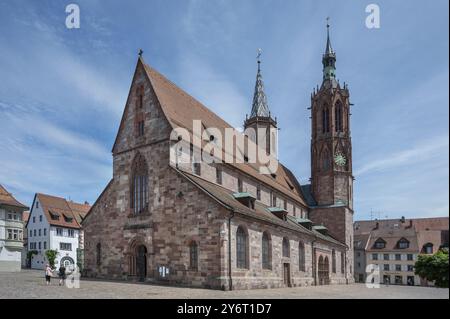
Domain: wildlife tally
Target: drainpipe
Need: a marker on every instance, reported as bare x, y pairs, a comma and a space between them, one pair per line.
230, 279
313, 254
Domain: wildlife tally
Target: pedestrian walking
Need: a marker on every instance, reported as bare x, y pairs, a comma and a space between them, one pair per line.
62, 275
48, 274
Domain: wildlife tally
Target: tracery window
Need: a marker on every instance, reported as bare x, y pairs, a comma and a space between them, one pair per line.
139, 185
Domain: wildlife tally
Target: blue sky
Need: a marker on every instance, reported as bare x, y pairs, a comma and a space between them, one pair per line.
62, 91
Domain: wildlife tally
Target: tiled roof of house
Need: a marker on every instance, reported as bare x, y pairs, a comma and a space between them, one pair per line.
181, 109
392, 238
6, 198
419, 224
261, 211
60, 212
419, 231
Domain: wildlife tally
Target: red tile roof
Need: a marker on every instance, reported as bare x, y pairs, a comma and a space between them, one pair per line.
60, 212
6, 198
181, 109
419, 231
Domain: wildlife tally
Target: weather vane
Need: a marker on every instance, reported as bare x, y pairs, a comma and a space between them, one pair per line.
328, 22
259, 55
141, 52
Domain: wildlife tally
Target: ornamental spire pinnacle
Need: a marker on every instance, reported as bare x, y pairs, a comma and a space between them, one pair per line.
329, 49
329, 58
260, 106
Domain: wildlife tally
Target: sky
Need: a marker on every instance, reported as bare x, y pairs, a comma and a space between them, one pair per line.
62, 91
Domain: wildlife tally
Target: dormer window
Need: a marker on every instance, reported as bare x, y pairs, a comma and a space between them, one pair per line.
54, 216
379, 244
403, 243
245, 199
279, 212
67, 219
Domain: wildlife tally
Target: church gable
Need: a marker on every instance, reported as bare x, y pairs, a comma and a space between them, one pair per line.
143, 121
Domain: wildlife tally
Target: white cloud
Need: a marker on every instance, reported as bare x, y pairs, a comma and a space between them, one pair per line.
418, 153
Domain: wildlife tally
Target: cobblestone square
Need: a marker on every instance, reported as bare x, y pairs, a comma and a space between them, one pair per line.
31, 284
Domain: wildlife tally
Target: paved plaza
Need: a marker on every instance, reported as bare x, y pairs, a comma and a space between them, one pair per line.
31, 284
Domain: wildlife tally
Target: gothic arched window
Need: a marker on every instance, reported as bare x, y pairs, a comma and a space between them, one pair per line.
193, 255
266, 251
301, 256
241, 248
325, 120
286, 247
139, 185
338, 118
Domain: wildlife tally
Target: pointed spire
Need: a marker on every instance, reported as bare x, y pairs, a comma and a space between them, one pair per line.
329, 58
260, 106
329, 49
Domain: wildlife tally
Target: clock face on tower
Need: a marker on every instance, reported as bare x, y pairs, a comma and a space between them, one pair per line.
340, 159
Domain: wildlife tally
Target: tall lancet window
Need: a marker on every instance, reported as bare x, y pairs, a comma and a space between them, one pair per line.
338, 121
325, 120
139, 185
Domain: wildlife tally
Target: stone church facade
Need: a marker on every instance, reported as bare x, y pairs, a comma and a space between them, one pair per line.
222, 225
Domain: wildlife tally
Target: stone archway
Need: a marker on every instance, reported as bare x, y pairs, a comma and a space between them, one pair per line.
141, 262
323, 270
137, 260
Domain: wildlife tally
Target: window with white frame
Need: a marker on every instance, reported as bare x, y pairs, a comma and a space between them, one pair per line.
65, 246
59, 231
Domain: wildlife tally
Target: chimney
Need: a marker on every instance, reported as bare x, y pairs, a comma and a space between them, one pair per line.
410, 224
377, 225
86, 202
403, 219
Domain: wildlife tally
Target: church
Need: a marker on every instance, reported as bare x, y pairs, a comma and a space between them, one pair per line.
223, 224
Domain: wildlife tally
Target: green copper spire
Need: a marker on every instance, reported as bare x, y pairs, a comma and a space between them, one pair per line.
329, 58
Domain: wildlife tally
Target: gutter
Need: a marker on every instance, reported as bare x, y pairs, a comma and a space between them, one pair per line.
313, 254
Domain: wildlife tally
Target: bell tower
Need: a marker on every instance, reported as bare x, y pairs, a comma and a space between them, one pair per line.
331, 158
331, 147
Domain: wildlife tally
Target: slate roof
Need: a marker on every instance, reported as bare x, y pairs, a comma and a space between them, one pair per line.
307, 194
6, 198
261, 211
